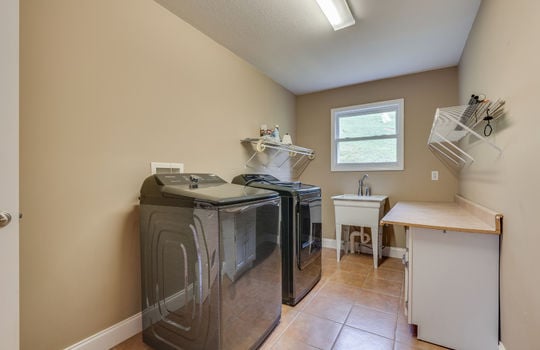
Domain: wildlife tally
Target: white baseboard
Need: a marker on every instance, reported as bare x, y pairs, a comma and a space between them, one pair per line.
329, 243
127, 328
111, 336
501, 346
393, 252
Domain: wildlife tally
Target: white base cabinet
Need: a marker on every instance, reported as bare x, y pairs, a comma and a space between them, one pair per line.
452, 287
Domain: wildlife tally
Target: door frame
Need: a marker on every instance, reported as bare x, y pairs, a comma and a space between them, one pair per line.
9, 179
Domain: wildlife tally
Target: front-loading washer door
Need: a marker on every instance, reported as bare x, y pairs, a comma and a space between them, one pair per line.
180, 294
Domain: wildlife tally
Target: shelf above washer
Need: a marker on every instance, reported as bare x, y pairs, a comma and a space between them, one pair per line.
299, 156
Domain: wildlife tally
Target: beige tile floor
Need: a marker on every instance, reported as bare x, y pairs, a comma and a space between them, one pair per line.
353, 307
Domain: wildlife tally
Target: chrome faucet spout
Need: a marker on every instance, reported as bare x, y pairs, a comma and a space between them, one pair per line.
361, 191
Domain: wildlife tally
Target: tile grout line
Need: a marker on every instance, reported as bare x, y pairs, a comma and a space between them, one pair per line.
341, 328
364, 330
342, 324
395, 313
328, 281
385, 294
395, 325
282, 332
376, 297
374, 309
297, 314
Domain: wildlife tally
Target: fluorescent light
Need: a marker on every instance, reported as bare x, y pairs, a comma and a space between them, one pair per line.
338, 13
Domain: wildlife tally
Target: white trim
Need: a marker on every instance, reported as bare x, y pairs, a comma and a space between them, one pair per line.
501, 346
111, 336
337, 113
129, 327
392, 252
329, 243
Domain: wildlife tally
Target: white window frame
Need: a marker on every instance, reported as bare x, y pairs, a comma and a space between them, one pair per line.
363, 109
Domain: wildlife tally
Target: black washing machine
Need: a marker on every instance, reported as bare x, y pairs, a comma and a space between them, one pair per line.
210, 263
301, 232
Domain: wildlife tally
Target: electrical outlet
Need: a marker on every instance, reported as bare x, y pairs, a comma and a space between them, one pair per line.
435, 175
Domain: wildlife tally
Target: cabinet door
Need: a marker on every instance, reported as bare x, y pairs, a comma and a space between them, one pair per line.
454, 288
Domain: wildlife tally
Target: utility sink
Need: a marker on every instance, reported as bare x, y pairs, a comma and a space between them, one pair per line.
355, 197
362, 211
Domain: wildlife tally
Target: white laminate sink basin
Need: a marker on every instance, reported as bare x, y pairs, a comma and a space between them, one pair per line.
362, 211
355, 197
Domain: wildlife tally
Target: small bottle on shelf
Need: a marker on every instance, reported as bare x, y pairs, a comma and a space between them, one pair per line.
275, 134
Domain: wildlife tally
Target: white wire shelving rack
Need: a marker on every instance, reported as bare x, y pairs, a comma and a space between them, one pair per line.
297, 157
452, 124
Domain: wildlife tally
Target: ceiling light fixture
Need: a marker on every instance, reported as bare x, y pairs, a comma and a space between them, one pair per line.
338, 13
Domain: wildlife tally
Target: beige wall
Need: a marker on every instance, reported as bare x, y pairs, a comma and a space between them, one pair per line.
501, 61
107, 87
423, 93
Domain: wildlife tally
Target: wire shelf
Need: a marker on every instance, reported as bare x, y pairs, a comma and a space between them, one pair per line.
297, 157
452, 124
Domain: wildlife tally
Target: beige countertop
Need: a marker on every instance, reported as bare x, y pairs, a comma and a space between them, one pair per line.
461, 215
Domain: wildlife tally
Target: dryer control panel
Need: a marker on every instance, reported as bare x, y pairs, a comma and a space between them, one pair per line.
188, 179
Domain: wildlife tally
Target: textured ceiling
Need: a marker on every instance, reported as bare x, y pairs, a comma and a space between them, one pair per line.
292, 42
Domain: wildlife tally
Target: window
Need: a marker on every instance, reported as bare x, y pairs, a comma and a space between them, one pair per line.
368, 137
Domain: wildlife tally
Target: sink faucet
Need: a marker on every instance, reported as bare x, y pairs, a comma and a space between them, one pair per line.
361, 191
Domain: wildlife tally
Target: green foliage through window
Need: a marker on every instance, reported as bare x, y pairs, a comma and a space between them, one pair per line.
368, 137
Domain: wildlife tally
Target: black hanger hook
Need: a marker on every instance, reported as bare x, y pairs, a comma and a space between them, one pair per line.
488, 129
